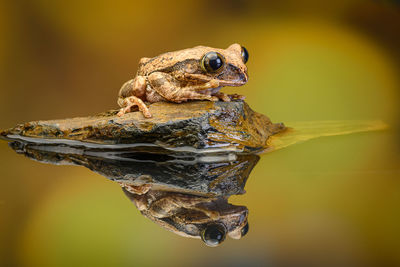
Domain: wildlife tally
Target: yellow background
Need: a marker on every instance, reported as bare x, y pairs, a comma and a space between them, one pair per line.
330, 200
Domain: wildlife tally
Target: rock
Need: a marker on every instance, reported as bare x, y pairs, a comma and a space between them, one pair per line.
197, 124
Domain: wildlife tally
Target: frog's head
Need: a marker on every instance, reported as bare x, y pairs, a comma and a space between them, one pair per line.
207, 218
212, 229
232, 222
226, 65
211, 221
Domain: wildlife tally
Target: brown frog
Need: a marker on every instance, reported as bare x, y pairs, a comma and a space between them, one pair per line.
208, 218
196, 73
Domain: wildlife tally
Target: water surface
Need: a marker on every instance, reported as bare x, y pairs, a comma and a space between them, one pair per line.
332, 199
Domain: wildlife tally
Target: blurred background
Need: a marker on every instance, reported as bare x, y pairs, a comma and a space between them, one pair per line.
331, 201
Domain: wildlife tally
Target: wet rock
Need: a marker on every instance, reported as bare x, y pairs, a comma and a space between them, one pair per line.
199, 125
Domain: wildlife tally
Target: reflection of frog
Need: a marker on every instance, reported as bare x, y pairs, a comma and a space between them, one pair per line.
208, 218
191, 74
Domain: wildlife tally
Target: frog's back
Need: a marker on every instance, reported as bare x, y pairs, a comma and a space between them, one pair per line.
167, 61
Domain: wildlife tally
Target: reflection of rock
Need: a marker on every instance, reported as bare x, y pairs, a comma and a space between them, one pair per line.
200, 124
205, 174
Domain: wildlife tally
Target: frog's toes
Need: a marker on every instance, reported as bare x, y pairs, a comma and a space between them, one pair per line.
122, 111
136, 189
223, 97
237, 97
146, 113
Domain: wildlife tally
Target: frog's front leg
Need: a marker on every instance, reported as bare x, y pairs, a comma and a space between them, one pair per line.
227, 98
214, 83
130, 95
237, 97
165, 85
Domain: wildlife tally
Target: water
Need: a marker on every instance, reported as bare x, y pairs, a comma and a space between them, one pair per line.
332, 200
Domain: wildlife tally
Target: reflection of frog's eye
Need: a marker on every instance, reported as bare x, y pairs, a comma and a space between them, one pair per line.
245, 54
212, 62
244, 230
213, 235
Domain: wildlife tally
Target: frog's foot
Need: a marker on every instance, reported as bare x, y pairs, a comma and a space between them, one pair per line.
222, 96
138, 190
237, 97
132, 101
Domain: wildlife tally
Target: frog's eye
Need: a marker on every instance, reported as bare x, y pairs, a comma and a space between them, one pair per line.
213, 235
245, 54
244, 230
212, 62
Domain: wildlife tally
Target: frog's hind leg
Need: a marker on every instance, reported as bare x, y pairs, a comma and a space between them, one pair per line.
132, 101
130, 95
135, 87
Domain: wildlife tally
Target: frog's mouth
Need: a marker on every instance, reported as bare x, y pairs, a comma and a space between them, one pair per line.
232, 83
233, 76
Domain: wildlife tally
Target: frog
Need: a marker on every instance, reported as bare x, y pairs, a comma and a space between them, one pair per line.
196, 73
209, 218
